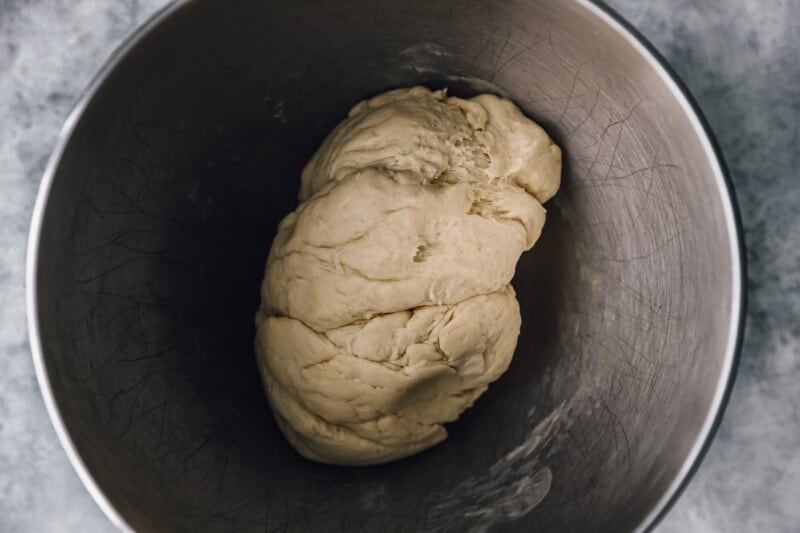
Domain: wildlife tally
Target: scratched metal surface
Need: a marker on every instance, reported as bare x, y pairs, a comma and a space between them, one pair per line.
157, 284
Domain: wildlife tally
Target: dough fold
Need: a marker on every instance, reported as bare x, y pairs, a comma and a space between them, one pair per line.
386, 305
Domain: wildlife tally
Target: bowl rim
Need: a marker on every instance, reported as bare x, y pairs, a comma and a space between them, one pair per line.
599, 9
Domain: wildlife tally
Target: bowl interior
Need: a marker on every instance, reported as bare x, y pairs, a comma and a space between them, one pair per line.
187, 154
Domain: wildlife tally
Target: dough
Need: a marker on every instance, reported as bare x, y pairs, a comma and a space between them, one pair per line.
386, 308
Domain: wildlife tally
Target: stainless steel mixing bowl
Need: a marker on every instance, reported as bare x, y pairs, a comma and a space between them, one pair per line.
158, 208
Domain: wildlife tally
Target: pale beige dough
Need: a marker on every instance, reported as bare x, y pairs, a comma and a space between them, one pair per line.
386, 305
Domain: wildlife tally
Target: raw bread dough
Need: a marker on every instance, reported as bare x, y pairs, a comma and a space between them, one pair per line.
386, 305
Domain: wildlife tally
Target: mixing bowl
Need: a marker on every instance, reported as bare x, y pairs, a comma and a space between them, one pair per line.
158, 208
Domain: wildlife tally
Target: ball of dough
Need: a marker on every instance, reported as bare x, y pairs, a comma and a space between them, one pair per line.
386, 306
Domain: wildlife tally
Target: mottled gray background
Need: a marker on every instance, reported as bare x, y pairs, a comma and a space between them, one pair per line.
740, 58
